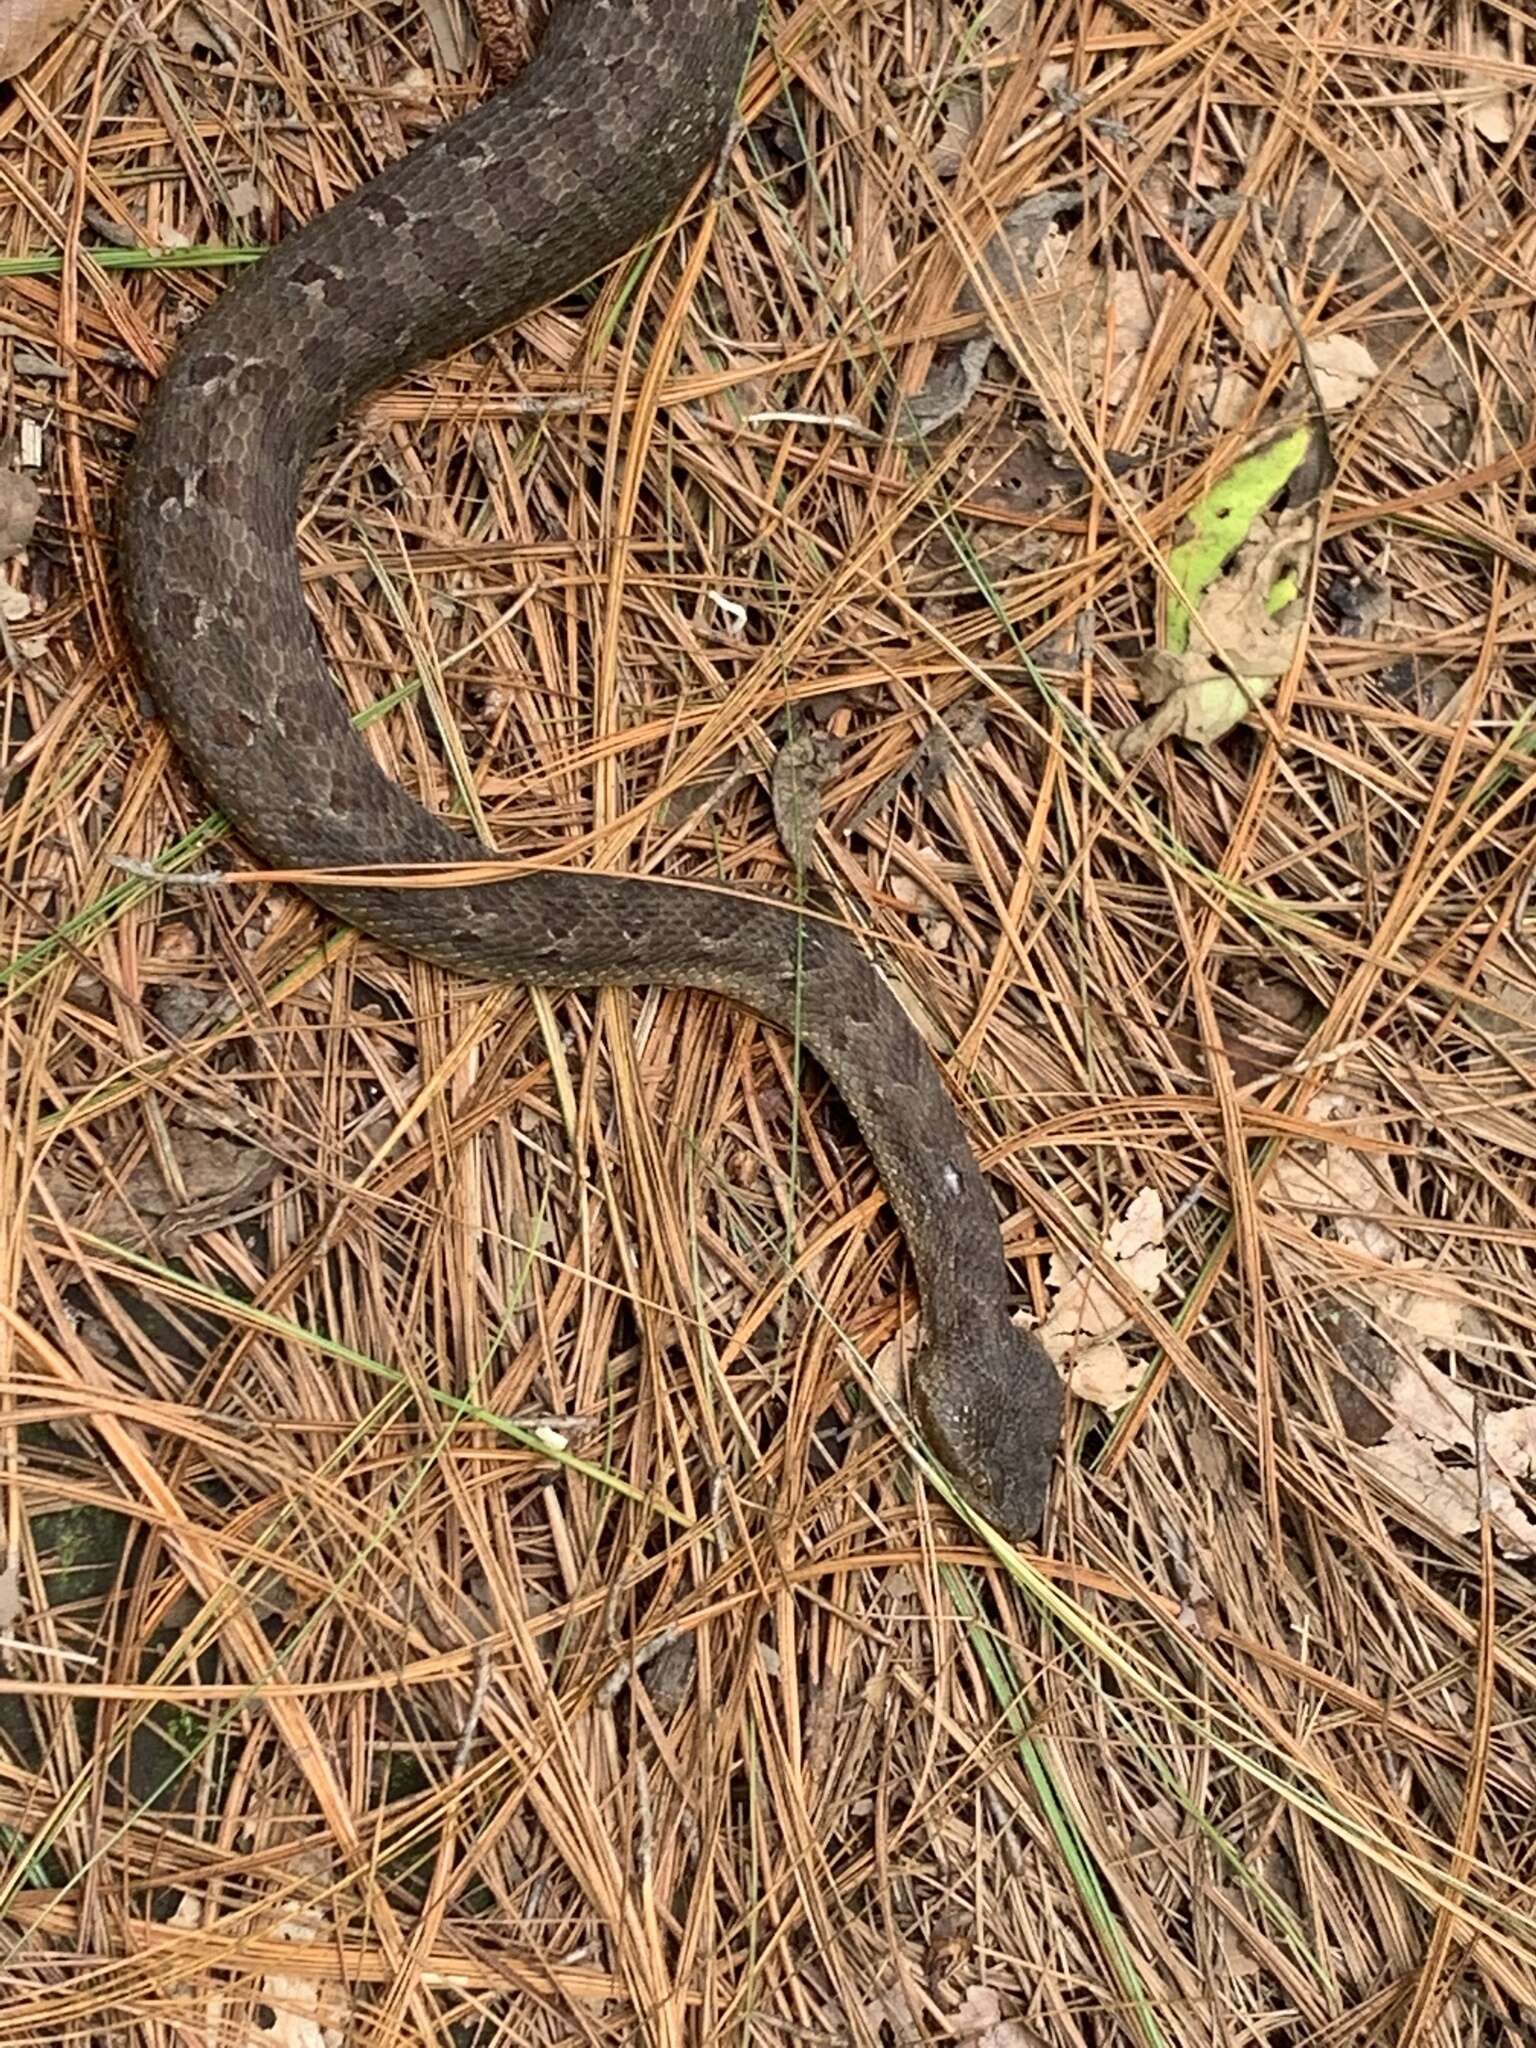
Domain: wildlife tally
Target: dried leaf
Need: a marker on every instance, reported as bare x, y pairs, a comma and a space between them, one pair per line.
1268, 1035
1011, 261
1361, 602
1126, 298
308, 2011
1223, 395
1408, 1413
20, 503
1105, 1375
888, 1367
222, 1176
1370, 1367
197, 32
802, 768
1345, 1188
1037, 296
710, 793
1265, 326
1435, 1416
979, 2023
1431, 1404
949, 388
1082, 326
1013, 472
1511, 1440
1224, 520
1424, 1320
30, 26
1508, 985
1243, 640
1491, 110
1138, 1234
451, 33
16, 610
1087, 1311
960, 112
931, 921
1343, 368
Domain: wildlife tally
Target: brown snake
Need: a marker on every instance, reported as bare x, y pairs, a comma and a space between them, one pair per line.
515, 203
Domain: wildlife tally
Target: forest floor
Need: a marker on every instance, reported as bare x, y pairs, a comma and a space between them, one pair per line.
467, 1577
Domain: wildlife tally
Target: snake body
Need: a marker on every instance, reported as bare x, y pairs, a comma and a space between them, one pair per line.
623, 105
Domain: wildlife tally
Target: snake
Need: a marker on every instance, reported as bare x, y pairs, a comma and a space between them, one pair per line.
546, 182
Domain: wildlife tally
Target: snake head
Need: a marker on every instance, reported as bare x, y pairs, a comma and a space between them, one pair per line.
992, 1410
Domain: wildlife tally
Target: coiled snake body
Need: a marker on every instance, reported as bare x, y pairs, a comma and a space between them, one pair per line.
623, 105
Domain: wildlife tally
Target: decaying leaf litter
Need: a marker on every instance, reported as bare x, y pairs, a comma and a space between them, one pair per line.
473, 1352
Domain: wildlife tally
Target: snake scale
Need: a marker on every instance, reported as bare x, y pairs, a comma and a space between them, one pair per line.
623, 105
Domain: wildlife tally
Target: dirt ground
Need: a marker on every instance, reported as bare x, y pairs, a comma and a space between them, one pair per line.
467, 1575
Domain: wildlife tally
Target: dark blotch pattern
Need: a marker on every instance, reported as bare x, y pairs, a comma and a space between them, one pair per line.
624, 104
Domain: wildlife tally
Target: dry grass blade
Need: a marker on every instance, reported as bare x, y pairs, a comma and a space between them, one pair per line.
466, 1577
